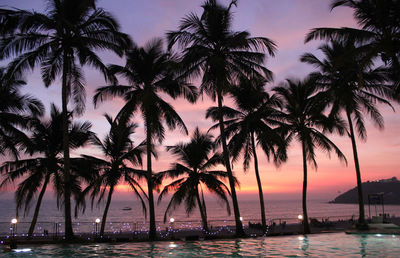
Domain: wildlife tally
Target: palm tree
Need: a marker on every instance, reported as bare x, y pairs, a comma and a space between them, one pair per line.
150, 71
120, 152
253, 124
16, 112
37, 173
61, 41
303, 117
194, 172
353, 87
221, 55
379, 33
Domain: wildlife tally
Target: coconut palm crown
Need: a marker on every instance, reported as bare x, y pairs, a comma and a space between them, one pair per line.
61, 41
194, 172
254, 122
120, 155
353, 87
220, 56
379, 32
16, 113
305, 121
37, 173
150, 72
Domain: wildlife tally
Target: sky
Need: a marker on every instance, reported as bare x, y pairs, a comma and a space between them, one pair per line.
286, 22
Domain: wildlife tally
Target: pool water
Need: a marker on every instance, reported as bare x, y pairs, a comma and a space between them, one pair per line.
318, 245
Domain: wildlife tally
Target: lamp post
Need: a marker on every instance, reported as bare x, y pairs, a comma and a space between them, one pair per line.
13, 227
171, 226
97, 221
300, 218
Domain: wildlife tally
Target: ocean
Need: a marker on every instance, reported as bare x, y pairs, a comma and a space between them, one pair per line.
276, 211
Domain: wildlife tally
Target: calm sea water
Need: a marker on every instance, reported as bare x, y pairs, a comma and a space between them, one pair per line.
275, 209
319, 245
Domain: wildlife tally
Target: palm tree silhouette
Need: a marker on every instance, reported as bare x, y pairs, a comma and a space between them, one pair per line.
61, 41
303, 117
37, 173
16, 112
353, 87
253, 123
120, 152
194, 172
379, 34
150, 71
221, 55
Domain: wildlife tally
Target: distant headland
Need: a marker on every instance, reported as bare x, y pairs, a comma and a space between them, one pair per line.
390, 188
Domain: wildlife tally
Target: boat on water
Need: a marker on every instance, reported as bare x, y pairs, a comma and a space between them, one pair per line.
126, 208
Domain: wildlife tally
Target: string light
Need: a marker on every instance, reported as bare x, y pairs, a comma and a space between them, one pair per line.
140, 229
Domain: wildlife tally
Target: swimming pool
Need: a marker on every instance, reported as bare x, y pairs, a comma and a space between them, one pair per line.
318, 245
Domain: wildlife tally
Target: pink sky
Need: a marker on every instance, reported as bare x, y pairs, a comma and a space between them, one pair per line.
286, 22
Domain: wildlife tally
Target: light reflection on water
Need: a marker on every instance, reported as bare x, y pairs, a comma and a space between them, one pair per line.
318, 245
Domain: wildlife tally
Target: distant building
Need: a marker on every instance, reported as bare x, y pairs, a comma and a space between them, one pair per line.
393, 179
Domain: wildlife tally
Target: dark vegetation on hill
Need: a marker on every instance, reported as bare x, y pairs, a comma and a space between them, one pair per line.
389, 187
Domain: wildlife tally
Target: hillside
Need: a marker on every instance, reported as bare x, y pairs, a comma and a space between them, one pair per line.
389, 187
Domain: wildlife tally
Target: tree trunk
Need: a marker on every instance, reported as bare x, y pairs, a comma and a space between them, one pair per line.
238, 223
69, 234
37, 208
306, 226
204, 204
260, 190
202, 213
103, 221
361, 219
152, 229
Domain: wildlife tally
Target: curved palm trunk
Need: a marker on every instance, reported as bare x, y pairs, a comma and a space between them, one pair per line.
238, 223
306, 226
37, 208
103, 221
152, 232
202, 210
260, 190
69, 234
204, 203
361, 219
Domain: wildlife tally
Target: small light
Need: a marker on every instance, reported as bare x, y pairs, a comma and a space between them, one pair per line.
172, 245
14, 221
300, 217
171, 220
241, 218
97, 220
24, 250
